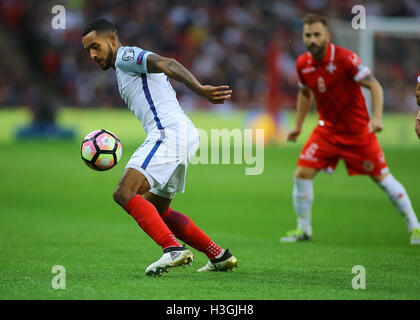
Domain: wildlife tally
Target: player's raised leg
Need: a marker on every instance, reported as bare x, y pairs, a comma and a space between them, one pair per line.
186, 230
303, 197
399, 197
127, 195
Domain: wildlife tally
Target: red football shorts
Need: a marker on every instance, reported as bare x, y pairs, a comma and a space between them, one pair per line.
323, 150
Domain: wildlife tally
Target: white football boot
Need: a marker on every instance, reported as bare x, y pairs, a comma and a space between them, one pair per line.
172, 257
224, 263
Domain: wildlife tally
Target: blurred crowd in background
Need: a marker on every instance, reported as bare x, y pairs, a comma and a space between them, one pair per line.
251, 45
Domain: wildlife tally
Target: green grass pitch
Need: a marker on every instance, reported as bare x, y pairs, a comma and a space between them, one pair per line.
54, 210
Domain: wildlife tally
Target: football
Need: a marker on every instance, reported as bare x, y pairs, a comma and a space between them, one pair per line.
101, 150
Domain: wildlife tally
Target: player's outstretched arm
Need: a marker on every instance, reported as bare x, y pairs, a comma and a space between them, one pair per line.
377, 94
175, 70
304, 102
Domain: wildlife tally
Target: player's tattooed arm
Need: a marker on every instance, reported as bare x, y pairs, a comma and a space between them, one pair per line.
377, 95
368, 81
418, 94
173, 69
176, 71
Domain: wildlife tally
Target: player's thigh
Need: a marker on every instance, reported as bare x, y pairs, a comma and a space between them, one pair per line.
305, 172
367, 159
318, 153
161, 204
132, 182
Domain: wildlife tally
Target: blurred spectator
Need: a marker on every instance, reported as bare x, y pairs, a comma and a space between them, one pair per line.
249, 44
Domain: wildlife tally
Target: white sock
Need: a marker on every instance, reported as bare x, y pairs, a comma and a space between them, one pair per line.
303, 197
400, 199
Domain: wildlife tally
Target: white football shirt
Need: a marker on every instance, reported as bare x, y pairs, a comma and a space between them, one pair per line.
149, 96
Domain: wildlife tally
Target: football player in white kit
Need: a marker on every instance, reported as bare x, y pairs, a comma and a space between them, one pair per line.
157, 170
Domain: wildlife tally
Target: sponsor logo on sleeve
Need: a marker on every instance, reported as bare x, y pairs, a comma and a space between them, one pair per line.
128, 55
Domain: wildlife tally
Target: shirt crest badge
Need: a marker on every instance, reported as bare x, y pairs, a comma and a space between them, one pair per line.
128, 54
331, 67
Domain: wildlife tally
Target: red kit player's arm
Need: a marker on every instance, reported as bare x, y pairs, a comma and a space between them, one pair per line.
304, 103
377, 95
361, 74
418, 93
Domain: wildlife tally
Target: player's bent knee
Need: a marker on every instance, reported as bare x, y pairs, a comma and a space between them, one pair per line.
379, 178
305, 173
299, 175
132, 183
122, 195
161, 204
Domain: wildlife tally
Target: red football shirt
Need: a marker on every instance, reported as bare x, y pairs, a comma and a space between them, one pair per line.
418, 78
340, 102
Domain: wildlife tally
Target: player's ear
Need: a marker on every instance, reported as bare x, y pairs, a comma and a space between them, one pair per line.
328, 35
112, 38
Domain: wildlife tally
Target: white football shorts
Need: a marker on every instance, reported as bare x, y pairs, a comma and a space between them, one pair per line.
163, 157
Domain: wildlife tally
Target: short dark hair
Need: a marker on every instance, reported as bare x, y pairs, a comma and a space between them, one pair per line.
313, 17
100, 26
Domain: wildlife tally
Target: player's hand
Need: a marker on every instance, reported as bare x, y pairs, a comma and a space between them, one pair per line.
376, 125
292, 135
216, 95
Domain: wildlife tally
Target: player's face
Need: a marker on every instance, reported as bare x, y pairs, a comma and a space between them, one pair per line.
418, 93
99, 49
316, 38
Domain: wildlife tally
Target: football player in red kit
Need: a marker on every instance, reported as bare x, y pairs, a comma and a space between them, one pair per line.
334, 76
418, 102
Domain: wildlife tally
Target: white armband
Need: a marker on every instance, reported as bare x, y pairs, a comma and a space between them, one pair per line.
362, 73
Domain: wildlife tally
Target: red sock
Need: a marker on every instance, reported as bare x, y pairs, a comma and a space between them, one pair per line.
186, 230
150, 221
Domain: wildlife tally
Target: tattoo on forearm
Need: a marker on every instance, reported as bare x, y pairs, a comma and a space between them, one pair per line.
180, 73
370, 78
